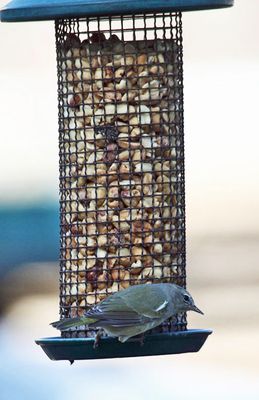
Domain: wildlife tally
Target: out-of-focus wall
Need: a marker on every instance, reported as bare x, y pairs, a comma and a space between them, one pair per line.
221, 122
28, 110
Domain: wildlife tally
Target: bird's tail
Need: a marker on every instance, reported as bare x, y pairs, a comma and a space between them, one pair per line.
67, 323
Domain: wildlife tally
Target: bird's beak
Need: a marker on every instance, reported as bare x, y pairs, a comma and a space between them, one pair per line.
196, 309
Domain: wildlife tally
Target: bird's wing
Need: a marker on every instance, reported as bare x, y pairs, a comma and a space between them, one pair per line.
148, 300
140, 305
114, 311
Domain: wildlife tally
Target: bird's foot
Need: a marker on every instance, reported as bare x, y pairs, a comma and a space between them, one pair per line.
97, 338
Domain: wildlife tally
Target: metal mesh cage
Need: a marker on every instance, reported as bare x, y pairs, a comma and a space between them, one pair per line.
122, 207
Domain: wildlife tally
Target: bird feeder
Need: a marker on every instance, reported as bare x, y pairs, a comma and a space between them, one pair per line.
121, 160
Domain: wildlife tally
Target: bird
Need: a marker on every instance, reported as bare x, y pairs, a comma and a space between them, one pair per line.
133, 311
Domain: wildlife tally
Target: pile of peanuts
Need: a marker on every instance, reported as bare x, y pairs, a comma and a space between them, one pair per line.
119, 122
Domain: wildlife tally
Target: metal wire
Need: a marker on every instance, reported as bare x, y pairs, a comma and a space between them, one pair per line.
122, 204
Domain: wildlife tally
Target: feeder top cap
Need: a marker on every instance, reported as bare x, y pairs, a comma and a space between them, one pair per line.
39, 10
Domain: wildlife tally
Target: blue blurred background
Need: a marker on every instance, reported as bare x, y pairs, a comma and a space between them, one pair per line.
28, 234
222, 172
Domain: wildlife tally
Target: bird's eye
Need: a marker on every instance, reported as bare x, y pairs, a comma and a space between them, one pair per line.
186, 298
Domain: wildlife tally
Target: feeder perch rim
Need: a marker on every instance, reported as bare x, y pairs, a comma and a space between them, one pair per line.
40, 10
188, 341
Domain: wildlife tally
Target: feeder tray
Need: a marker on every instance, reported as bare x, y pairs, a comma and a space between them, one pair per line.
121, 161
155, 344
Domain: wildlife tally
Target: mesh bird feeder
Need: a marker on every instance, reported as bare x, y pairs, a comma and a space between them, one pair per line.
121, 160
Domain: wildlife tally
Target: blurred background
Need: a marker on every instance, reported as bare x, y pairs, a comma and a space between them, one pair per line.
221, 63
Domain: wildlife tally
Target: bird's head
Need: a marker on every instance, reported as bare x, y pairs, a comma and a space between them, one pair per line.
184, 301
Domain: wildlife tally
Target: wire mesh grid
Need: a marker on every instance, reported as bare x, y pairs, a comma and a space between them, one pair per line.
122, 205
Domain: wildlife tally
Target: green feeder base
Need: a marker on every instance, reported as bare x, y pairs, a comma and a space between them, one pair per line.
189, 341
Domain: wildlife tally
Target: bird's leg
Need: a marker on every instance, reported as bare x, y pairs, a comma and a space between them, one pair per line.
97, 338
139, 338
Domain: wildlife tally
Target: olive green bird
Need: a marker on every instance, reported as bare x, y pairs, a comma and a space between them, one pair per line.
134, 310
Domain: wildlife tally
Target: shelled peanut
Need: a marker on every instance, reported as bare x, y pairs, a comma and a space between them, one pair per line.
118, 165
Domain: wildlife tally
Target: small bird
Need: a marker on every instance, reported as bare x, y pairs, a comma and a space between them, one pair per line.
133, 311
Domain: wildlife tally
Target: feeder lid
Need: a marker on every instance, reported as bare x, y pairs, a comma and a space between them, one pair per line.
38, 10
